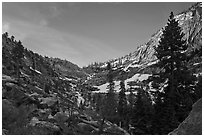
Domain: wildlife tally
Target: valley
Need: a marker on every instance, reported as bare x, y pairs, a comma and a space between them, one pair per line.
130, 95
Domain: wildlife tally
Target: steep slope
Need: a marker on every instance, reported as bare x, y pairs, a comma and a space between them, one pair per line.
66, 68
45, 65
42, 96
192, 125
143, 60
51, 96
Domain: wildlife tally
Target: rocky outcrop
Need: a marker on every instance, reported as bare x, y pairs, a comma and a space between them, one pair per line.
192, 125
144, 57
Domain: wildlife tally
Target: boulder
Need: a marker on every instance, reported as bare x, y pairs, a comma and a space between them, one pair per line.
113, 129
44, 124
7, 78
85, 128
9, 112
49, 101
192, 125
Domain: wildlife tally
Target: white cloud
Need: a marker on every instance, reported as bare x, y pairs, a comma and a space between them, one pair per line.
54, 43
54, 11
43, 22
5, 27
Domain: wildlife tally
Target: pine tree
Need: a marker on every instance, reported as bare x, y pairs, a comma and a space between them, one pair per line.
122, 104
12, 38
137, 113
33, 66
109, 104
110, 100
5, 35
99, 102
171, 53
18, 51
142, 111
131, 96
130, 104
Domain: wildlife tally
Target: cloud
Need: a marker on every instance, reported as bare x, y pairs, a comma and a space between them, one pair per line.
51, 42
5, 27
54, 11
32, 25
43, 22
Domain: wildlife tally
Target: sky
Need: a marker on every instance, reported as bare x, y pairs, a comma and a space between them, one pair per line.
88, 32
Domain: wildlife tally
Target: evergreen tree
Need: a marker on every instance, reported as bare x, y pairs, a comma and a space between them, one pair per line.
142, 111
5, 35
198, 89
122, 104
131, 96
131, 99
33, 66
12, 38
164, 120
138, 114
33, 62
109, 104
98, 102
171, 53
18, 51
110, 100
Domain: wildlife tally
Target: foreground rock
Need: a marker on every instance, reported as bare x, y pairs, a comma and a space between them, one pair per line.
192, 125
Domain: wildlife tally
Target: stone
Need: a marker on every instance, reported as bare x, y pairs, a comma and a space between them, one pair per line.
192, 125
85, 128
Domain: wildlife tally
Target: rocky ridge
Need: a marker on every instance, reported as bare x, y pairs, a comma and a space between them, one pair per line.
143, 60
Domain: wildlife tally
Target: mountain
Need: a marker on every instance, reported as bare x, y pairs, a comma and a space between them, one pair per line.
50, 67
42, 95
45, 95
143, 60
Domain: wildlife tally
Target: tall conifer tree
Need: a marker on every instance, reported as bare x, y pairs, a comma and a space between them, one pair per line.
110, 100
109, 104
174, 74
122, 103
18, 54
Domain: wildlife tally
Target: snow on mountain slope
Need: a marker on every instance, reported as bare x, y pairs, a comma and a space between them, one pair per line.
35, 70
139, 77
144, 55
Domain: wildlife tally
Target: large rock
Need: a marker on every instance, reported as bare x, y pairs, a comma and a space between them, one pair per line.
86, 129
192, 125
51, 127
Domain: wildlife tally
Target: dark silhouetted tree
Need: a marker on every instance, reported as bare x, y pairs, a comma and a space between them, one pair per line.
109, 107
142, 111
18, 54
122, 104
174, 75
110, 100
12, 38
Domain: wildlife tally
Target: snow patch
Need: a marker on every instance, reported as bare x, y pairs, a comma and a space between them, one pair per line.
38, 88
139, 77
35, 70
69, 79
132, 66
151, 63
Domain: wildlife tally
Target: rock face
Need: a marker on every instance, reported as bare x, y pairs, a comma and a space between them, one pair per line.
144, 55
192, 125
